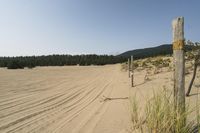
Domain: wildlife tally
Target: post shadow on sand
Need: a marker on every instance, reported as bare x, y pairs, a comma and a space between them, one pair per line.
142, 82
193, 94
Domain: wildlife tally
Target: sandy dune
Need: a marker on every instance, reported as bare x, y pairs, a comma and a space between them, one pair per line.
70, 99
144, 90
64, 99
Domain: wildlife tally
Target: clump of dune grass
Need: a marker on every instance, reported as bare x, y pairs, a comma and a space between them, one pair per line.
136, 118
160, 116
124, 67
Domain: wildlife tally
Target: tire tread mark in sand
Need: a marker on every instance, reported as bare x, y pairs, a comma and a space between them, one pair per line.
101, 106
30, 116
87, 104
39, 101
78, 112
22, 103
14, 99
31, 94
37, 113
46, 101
35, 102
17, 97
66, 107
22, 119
79, 100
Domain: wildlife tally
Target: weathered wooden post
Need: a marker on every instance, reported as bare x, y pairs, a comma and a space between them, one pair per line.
128, 67
179, 65
132, 76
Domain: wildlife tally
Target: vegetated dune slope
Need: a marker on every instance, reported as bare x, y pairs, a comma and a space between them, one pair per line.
64, 99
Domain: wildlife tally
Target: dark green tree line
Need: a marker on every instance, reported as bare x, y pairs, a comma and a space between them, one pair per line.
58, 60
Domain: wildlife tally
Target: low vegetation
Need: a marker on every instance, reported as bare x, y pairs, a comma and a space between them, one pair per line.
160, 117
153, 63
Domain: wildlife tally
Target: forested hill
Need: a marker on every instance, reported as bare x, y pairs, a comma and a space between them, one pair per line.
61, 60
164, 49
58, 60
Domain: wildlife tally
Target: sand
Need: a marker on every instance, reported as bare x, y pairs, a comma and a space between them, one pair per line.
70, 99
64, 99
145, 89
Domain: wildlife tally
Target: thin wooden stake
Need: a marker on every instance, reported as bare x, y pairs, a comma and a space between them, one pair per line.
179, 64
129, 68
132, 76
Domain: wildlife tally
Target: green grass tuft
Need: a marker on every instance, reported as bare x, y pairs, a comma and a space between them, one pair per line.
160, 116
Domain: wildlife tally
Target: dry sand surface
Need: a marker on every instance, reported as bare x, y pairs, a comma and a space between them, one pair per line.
64, 100
145, 89
70, 99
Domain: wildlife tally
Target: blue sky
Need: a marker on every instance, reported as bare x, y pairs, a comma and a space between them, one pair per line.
42, 27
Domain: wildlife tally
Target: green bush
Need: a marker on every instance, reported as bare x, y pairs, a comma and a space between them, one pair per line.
14, 64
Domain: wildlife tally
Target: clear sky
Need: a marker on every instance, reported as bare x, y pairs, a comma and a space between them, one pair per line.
42, 27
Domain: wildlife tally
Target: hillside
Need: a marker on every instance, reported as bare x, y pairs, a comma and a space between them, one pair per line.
84, 60
164, 49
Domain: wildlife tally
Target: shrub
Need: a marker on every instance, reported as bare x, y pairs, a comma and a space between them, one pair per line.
144, 64
31, 65
124, 66
14, 64
161, 62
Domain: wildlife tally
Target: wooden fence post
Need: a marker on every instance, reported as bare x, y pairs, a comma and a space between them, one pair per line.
132, 76
128, 67
179, 64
